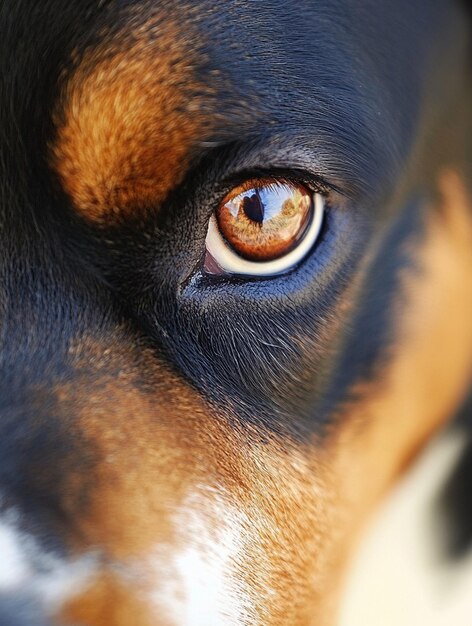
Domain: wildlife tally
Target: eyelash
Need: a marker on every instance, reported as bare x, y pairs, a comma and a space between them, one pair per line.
314, 183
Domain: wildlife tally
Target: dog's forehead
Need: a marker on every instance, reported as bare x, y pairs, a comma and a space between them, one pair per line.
150, 85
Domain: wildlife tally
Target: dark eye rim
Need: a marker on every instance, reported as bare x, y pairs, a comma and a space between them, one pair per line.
222, 258
314, 183
207, 281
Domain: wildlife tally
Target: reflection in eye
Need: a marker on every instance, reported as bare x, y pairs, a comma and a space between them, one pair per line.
263, 227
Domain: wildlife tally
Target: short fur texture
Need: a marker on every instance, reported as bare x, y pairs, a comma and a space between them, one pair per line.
154, 418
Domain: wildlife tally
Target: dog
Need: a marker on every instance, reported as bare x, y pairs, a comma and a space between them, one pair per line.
235, 296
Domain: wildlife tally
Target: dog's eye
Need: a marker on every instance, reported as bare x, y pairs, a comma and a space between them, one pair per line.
263, 228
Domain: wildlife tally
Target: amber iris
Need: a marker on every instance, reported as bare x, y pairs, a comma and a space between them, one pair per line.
265, 219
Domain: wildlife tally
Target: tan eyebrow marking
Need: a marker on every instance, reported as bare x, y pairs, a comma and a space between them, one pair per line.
128, 117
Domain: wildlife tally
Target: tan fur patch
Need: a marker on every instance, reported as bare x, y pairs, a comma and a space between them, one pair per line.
128, 118
156, 450
108, 601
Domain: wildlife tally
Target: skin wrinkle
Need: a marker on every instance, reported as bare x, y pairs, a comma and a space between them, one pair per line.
129, 115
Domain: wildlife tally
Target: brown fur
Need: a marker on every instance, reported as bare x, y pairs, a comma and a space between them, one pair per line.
130, 113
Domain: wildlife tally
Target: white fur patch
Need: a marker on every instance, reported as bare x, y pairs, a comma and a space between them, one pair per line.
197, 577
14, 568
27, 569
190, 581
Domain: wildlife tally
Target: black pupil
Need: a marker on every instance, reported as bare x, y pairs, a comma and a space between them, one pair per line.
253, 208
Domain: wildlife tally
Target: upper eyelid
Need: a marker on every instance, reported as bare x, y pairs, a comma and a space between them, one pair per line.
250, 162
225, 166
